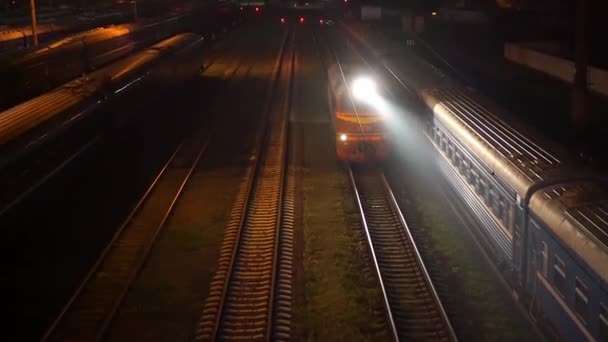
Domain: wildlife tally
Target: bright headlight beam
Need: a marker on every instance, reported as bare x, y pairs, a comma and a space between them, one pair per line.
363, 88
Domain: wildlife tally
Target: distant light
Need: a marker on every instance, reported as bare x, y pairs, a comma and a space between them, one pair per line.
257, 9
433, 13
363, 88
320, 21
282, 20
241, 8
343, 137
345, 1
301, 19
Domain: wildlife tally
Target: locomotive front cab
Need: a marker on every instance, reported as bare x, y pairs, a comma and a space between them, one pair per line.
361, 149
360, 137
360, 130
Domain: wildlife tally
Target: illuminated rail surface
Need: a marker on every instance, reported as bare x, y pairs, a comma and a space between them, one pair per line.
414, 309
250, 294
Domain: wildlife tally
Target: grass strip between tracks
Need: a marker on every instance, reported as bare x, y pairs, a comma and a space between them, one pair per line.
337, 294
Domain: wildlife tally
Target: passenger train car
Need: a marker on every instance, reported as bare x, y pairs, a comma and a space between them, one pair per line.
361, 132
544, 215
30, 125
28, 73
39, 70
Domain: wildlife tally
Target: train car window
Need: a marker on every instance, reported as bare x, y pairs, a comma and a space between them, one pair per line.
580, 299
559, 276
490, 199
545, 255
473, 177
497, 206
451, 152
464, 168
502, 212
603, 323
481, 187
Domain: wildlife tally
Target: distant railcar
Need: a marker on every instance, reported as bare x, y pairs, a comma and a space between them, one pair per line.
360, 129
44, 68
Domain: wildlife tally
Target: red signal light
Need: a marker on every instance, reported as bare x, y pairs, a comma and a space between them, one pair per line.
301, 20
241, 8
257, 9
282, 20
320, 21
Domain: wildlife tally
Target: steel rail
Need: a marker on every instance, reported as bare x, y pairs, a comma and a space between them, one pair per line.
139, 262
107, 319
272, 322
427, 276
387, 305
107, 249
212, 319
249, 206
384, 217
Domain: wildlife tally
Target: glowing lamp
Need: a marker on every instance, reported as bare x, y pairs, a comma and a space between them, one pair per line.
363, 88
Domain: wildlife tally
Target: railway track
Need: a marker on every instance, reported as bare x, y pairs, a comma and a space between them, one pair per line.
413, 307
250, 294
91, 309
93, 306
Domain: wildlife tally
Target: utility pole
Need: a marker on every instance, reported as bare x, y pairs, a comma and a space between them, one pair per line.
34, 25
580, 93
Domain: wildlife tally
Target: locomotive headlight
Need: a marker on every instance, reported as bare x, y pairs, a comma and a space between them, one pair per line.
343, 137
364, 88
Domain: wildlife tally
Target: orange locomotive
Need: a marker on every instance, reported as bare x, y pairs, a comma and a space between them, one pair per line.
361, 132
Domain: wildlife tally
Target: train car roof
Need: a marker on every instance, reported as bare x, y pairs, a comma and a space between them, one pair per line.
578, 214
507, 149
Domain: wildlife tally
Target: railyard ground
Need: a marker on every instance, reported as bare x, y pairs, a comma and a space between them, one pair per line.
336, 293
